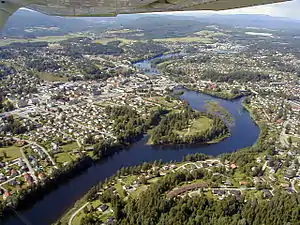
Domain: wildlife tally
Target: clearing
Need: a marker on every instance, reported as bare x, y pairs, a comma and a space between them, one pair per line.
197, 126
51, 77
12, 152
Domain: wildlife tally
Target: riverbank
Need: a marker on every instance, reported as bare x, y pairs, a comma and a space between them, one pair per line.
26, 198
221, 95
136, 154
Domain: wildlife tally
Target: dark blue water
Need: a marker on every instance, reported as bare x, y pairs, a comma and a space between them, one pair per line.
244, 133
148, 68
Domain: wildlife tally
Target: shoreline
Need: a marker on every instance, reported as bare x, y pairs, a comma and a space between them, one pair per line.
95, 160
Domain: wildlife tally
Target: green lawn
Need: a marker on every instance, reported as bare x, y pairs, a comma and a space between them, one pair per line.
198, 125
63, 157
77, 219
51, 77
70, 147
130, 179
12, 152
295, 139
139, 190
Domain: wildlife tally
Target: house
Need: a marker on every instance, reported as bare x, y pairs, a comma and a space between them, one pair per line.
41, 176
103, 208
244, 183
235, 192
218, 192
13, 172
110, 221
267, 193
90, 148
6, 195
233, 166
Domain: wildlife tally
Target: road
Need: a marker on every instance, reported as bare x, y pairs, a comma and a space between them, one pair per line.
5, 182
75, 213
293, 185
283, 135
28, 164
195, 163
46, 152
43, 149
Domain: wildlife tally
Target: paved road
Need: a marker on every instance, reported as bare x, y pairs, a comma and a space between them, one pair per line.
46, 152
28, 164
293, 185
283, 135
75, 213
41, 147
5, 182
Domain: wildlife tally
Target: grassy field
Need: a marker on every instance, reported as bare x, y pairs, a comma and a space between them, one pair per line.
51, 77
203, 40
209, 33
70, 147
104, 41
12, 152
163, 102
8, 41
199, 125
295, 139
63, 157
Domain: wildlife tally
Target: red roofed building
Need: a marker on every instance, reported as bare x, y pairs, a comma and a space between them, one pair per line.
233, 166
6, 195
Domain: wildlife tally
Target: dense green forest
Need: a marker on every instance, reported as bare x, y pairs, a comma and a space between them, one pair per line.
14, 126
165, 132
128, 125
240, 76
152, 207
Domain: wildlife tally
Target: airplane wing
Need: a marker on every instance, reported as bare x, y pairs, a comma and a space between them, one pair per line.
85, 8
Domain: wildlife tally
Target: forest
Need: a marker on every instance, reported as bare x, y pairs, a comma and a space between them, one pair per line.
240, 76
152, 207
145, 50
14, 126
78, 46
165, 132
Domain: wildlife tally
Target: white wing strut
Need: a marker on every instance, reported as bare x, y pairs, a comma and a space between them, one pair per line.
7, 8
115, 7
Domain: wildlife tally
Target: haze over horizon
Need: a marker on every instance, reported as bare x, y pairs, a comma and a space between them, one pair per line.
288, 10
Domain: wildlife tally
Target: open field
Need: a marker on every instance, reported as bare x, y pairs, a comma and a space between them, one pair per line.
104, 41
210, 34
8, 41
63, 157
51, 77
69, 147
203, 40
12, 152
198, 125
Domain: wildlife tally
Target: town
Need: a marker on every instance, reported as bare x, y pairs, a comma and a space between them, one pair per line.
54, 99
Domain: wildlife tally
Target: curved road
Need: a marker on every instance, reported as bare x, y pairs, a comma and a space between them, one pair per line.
75, 213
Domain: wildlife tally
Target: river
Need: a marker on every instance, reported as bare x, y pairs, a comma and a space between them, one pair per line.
244, 133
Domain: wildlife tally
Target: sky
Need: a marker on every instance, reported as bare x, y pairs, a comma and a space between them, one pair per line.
289, 10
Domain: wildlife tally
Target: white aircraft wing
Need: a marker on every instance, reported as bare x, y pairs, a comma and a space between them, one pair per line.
87, 8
